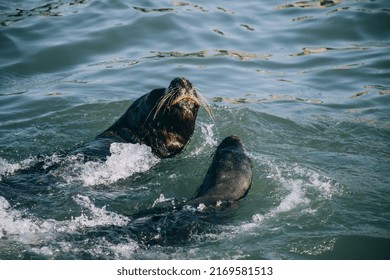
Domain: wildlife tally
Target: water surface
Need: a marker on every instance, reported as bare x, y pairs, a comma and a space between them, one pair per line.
304, 84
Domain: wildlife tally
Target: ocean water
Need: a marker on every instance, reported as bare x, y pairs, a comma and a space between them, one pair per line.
305, 85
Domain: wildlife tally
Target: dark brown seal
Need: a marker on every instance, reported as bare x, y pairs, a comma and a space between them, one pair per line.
228, 180
163, 119
229, 176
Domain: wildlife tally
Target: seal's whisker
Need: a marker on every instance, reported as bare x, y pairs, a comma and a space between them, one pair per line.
208, 109
170, 98
206, 105
162, 101
158, 105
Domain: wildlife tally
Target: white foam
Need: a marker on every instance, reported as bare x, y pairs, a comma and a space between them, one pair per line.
124, 251
201, 207
207, 136
162, 199
95, 247
296, 198
303, 186
98, 216
124, 161
29, 229
17, 223
7, 169
41, 234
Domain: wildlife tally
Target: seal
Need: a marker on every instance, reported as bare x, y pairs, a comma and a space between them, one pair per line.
227, 181
163, 119
229, 176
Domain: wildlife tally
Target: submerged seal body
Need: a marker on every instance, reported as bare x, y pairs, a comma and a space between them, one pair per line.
163, 119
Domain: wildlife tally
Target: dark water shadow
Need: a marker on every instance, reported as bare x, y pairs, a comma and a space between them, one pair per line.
358, 248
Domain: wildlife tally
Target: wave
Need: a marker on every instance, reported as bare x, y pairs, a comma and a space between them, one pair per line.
23, 226
208, 138
305, 189
125, 160
7, 168
45, 236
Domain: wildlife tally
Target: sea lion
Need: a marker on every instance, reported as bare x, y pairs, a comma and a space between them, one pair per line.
163, 119
228, 180
229, 176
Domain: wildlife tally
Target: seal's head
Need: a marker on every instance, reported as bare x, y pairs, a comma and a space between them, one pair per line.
229, 176
171, 121
180, 99
232, 143
163, 119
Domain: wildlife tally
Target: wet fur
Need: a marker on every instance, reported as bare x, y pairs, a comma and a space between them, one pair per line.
163, 119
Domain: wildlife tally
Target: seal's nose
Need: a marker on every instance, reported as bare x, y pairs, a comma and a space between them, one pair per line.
181, 82
187, 104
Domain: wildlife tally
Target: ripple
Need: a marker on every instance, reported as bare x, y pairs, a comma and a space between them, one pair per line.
247, 27
47, 10
190, 6
271, 98
304, 84
311, 50
382, 89
240, 55
153, 10
310, 4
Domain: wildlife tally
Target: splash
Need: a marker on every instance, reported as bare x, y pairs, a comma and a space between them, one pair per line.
301, 195
7, 169
97, 216
208, 138
44, 236
14, 222
304, 187
19, 223
163, 199
125, 160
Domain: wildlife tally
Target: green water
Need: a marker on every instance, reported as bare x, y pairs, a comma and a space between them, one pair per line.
305, 85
